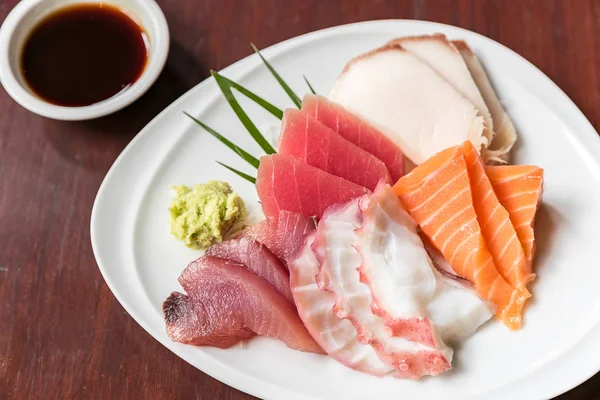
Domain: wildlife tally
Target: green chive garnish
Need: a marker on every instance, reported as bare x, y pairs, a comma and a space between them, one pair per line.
249, 158
241, 114
309, 85
284, 85
240, 173
276, 112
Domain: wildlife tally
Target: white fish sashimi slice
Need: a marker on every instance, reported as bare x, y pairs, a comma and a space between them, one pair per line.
339, 275
410, 103
505, 133
457, 310
441, 55
337, 337
415, 299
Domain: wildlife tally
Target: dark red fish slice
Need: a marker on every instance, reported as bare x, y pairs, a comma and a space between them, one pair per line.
356, 130
227, 303
286, 183
284, 236
309, 140
258, 259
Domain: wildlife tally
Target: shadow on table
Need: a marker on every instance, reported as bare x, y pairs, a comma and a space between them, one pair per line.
588, 390
86, 143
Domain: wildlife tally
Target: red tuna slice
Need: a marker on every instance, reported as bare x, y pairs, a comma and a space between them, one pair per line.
356, 130
283, 236
287, 183
305, 138
227, 303
337, 336
258, 259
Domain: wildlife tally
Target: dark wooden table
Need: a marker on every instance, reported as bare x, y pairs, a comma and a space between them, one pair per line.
62, 333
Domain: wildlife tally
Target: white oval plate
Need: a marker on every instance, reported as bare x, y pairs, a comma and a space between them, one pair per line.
559, 344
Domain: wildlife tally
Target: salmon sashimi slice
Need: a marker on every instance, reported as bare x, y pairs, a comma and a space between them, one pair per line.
519, 189
286, 183
226, 303
356, 130
309, 140
497, 229
437, 194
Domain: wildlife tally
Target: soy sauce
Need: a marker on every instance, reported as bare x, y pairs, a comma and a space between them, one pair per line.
84, 54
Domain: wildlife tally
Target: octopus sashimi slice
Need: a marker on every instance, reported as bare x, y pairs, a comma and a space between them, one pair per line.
226, 303
257, 258
416, 301
337, 337
284, 235
339, 275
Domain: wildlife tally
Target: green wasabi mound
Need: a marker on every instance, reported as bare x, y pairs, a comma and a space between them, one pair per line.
206, 214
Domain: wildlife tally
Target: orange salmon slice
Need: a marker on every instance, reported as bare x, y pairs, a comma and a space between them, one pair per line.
519, 189
495, 223
438, 195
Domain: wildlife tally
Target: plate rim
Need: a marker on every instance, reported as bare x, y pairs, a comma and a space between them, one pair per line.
248, 384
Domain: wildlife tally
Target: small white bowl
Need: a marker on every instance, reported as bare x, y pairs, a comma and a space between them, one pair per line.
25, 16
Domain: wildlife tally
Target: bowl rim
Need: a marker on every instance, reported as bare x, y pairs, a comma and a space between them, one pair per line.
159, 50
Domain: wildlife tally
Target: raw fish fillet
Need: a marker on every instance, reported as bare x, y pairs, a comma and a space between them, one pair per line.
417, 302
258, 259
284, 236
438, 196
286, 183
497, 229
356, 130
411, 104
334, 248
445, 59
505, 134
336, 336
519, 189
309, 140
226, 303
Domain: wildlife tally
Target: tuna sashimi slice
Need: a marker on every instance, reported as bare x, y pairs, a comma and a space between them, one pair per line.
438, 196
416, 300
336, 336
519, 189
309, 140
286, 183
334, 248
356, 130
284, 236
497, 229
226, 303
257, 258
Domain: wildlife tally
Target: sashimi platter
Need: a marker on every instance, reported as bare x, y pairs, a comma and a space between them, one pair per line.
379, 231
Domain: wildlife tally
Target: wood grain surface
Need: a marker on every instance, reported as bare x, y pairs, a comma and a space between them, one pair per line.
62, 333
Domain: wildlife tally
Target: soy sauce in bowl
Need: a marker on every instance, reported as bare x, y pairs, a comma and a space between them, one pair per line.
84, 54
